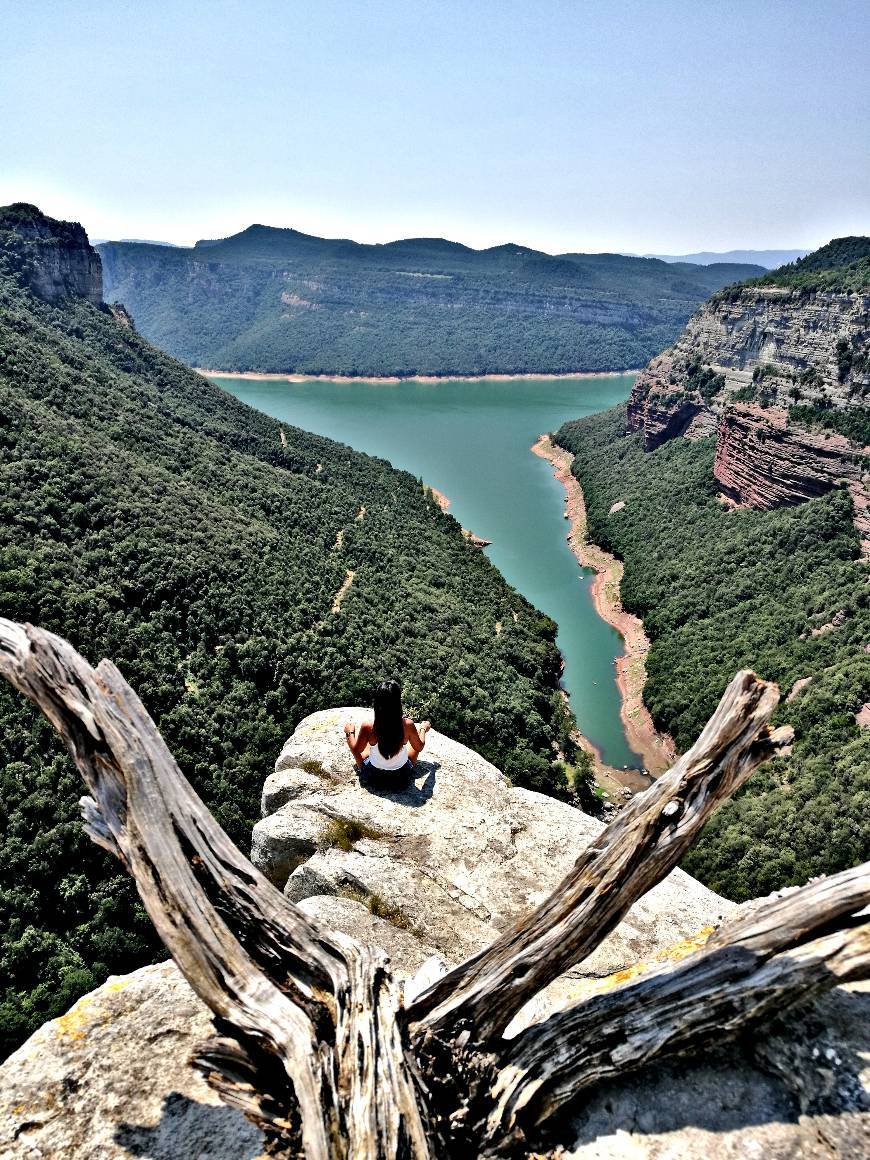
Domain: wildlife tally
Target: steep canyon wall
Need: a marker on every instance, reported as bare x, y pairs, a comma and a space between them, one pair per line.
764, 368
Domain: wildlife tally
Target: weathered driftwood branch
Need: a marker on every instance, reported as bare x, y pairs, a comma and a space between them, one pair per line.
290, 996
311, 1040
637, 850
755, 965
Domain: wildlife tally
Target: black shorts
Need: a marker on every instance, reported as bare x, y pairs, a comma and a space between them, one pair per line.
386, 778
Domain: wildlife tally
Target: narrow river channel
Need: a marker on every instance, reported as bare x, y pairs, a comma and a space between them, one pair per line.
471, 441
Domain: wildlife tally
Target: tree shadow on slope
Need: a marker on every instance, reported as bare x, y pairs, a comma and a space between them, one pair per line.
190, 1130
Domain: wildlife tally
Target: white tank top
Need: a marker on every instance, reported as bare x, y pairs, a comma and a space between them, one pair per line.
394, 762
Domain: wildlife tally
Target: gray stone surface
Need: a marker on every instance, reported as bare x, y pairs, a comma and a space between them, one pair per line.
770, 327
285, 785
110, 1080
62, 260
408, 952
289, 839
462, 854
808, 1102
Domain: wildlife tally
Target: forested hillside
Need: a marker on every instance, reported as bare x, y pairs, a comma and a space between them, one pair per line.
151, 518
279, 300
783, 592
843, 266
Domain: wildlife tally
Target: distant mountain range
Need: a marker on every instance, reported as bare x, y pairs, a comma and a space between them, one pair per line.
770, 259
279, 300
138, 241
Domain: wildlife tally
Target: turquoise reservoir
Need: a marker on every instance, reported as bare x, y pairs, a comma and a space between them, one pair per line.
471, 440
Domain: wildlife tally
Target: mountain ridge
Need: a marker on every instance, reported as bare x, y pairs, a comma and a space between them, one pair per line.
770, 259
273, 299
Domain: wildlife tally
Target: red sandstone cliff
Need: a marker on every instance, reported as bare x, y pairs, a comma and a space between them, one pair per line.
763, 462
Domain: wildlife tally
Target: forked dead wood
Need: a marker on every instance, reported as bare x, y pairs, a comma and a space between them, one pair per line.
312, 1041
750, 968
637, 850
308, 1044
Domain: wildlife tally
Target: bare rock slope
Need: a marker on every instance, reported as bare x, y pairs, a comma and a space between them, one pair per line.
457, 858
61, 260
430, 875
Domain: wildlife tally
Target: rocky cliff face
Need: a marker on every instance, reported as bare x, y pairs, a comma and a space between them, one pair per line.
766, 342
59, 260
763, 461
744, 359
430, 875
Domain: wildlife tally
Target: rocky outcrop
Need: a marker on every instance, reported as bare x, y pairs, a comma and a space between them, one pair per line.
785, 339
659, 415
456, 858
58, 259
111, 1079
744, 359
430, 875
763, 461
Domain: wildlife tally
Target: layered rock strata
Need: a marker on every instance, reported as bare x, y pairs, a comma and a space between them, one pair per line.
765, 462
791, 337
430, 875
743, 360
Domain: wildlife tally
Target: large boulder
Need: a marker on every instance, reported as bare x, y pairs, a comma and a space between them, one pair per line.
431, 875
457, 857
111, 1079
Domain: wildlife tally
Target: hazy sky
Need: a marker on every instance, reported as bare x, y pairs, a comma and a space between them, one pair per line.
639, 125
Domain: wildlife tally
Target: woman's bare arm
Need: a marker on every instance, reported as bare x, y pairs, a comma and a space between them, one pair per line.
416, 735
358, 737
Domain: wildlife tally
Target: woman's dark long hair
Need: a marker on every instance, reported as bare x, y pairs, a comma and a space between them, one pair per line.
389, 722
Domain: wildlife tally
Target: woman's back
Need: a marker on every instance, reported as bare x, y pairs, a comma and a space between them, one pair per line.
391, 742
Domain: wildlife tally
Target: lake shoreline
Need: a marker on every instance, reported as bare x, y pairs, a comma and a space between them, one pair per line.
656, 749
514, 505
443, 502
264, 376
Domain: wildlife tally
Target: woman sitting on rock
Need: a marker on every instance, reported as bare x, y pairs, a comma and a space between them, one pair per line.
386, 750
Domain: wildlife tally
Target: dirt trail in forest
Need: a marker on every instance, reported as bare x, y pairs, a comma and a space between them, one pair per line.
342, 592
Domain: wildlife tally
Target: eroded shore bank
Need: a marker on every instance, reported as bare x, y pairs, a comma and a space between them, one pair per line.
656, 749
294, 378
443, 502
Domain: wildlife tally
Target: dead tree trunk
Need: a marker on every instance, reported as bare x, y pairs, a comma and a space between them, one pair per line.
312, 1040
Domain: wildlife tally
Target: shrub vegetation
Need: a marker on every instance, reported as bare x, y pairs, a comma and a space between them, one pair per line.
278, 300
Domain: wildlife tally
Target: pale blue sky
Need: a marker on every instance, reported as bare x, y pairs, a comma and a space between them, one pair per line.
638, 125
